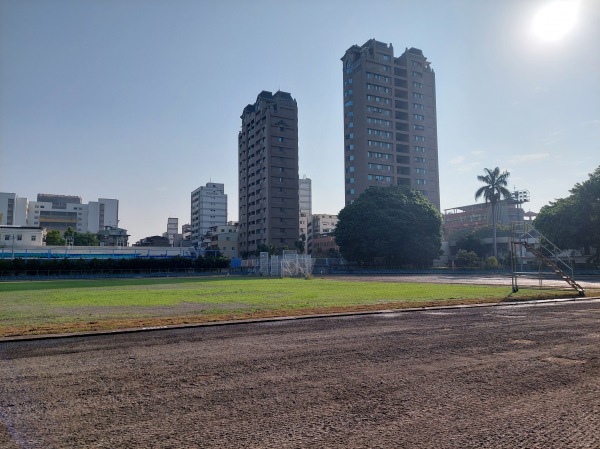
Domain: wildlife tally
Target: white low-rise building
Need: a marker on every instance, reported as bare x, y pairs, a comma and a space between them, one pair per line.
21, 236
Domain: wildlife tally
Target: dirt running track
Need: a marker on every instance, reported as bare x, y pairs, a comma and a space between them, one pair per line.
524, 376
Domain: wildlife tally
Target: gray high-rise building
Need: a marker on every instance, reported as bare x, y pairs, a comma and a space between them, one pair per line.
268, 173
390, 124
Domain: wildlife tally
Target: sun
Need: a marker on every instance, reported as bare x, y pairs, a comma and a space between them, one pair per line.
555, 20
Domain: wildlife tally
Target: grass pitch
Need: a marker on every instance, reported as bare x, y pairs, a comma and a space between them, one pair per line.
28, 308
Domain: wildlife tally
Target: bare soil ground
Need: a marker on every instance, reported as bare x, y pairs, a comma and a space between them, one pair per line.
520, 376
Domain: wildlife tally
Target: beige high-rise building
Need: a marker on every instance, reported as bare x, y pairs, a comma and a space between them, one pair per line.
268, 173
390, 124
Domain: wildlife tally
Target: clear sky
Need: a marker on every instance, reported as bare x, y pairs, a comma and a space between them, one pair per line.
140, 100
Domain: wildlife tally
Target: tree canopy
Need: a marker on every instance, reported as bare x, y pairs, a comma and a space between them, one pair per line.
54, 237
574, 221
394, 224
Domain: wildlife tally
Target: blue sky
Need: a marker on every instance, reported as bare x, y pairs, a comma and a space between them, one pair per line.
140, 100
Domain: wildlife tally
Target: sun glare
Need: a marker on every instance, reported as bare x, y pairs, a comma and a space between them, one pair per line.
555, 20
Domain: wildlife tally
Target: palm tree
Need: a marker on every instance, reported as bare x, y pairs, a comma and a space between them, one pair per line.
493, 191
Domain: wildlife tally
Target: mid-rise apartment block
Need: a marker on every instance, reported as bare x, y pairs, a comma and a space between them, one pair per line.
390, 120
268, 173
209, 208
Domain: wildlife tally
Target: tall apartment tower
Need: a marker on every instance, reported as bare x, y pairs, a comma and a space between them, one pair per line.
209, 208
390, 124
268, 172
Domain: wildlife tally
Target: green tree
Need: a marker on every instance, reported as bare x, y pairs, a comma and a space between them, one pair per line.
54, 238
396, 223
86, 239
493, 191
466, 259
472, 243
69, 236
574, 221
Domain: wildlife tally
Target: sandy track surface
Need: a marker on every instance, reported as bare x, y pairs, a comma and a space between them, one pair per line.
520, 376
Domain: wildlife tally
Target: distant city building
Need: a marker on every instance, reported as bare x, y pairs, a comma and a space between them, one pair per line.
186, 231
172, 228
323, 245
153, 241
320, 230
390, 121
113, 236
208, 208
13, 210
305, 199
268, 181
223, 238
59, 212
480, 214
305, 195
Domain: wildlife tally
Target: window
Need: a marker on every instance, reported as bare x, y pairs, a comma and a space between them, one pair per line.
377, 76
417, 85
6, 237
379, 178
379, 110
280, 139
418, 106
378, 121
348, 93
417, 74
420, 138
421, 182
418, 117
378, 132
19, 237
348, 81
351, 191
378, 88
350, 136
350, 158
420, 149
416, 64
418, 127
420, 170
420, 160
376, 143
348, 103
351, 180
418, 95
350, 125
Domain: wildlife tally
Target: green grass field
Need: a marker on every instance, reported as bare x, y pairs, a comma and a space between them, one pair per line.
75, 305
